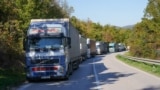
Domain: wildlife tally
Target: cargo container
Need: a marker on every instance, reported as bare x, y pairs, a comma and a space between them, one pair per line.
91, 48
83, 47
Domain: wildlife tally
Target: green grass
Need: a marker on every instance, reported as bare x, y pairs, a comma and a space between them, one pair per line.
150, 68
9, 79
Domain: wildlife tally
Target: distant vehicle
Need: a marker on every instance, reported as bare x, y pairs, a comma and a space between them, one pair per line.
91, 45
121, 47
101, 47
106, 46
83, 47
113, 47
52, 49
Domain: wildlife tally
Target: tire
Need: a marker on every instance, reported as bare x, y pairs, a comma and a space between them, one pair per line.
30, 80
69, 71
77, 65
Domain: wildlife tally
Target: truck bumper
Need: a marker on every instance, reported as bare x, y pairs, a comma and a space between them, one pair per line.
44, 78
45, 74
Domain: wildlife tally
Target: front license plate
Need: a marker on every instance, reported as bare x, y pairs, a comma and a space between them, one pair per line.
45, 77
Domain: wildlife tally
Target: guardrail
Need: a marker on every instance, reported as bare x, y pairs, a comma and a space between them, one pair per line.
150, 61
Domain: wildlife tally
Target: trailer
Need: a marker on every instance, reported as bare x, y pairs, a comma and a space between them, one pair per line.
83, 47
101, 47
91, 48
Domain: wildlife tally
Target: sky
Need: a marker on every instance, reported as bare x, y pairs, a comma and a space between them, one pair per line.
112, 12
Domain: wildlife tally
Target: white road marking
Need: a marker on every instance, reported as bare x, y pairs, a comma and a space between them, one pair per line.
96, 77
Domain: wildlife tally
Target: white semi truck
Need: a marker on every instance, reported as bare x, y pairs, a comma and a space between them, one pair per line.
91, 48
101, 47
113, 47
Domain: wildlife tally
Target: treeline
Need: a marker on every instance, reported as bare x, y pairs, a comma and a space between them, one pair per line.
107, 33
15, 16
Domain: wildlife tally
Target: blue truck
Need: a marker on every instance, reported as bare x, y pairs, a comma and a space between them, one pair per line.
52, 49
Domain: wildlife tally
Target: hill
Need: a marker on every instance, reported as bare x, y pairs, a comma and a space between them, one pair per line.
128, 26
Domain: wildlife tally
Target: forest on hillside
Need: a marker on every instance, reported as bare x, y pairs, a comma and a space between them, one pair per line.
15, 15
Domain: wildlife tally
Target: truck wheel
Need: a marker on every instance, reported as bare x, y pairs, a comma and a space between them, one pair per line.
66, 77
77, 65
71, 69
30, 80
69, 72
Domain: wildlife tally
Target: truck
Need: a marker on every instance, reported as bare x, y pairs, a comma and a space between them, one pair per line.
113, 47
101, 47
83, 47
106, 45
52, 49
121, 47
91, 48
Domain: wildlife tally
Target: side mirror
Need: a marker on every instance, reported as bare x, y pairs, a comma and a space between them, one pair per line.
67, 42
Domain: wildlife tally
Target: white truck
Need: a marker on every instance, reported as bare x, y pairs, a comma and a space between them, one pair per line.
101, 47
113, 47
52, 49
91, 48
121, 47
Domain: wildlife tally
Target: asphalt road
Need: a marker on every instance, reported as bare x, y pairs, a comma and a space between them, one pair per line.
104, 72
115, 75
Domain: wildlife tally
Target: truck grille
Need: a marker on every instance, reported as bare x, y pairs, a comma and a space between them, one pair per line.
45, 61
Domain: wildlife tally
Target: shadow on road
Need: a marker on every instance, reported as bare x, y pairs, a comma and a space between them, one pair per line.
106, 77
151, 88
112, 77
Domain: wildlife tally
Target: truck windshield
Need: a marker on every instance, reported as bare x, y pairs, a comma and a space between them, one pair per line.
45, 42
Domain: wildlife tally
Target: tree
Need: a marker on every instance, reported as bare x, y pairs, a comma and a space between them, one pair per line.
66, 8
146, 39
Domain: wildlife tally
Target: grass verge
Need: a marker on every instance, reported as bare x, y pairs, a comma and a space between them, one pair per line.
150, 68
9, 79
